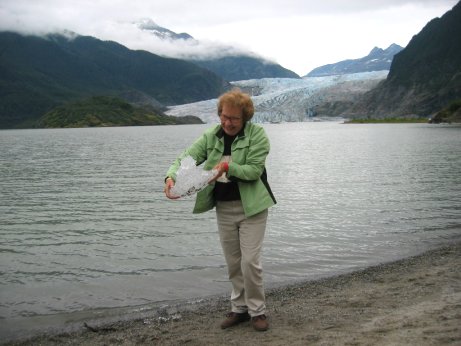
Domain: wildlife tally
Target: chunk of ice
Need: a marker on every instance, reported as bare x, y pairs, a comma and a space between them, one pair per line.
191, 178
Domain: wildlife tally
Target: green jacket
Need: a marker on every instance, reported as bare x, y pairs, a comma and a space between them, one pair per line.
249, 151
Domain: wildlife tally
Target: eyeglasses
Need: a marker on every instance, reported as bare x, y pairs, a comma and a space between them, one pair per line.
231, 119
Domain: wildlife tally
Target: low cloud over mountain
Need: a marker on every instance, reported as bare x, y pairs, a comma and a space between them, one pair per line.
184, 46
231, 63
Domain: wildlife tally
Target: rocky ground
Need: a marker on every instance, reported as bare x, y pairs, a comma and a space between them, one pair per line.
416, 301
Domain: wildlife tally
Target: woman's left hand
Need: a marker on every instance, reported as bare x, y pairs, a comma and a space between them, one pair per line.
221, 168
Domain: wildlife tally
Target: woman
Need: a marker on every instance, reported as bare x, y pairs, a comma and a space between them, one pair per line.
237, 149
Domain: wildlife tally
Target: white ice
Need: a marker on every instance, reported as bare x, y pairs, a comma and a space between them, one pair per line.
191, 178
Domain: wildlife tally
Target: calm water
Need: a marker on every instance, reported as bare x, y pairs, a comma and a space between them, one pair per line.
84, 224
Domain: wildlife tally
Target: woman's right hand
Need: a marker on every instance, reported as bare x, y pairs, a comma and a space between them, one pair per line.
169, 183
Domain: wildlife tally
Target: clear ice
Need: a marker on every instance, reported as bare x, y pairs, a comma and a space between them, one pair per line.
190, 178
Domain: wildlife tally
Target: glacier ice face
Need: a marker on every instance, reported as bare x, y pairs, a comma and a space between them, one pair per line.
190, 178
287, 99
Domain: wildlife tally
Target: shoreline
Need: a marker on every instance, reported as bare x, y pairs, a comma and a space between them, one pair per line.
415, 301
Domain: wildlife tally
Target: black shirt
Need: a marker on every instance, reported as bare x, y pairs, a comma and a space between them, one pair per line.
227, 191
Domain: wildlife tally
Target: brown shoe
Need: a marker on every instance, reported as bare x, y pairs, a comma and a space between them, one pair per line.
234, 318
260, 323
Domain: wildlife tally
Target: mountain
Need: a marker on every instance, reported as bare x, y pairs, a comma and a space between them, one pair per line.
424, 77
40, 73
225, 61
377, 60
235, 68
149, 25
450, 114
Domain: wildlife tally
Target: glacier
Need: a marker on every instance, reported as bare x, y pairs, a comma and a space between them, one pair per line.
288, 99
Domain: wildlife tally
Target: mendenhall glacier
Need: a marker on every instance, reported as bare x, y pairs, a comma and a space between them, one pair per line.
290, 100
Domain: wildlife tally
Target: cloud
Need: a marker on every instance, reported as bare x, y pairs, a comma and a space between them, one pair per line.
299, 34
114, 20
88, 15
207, 13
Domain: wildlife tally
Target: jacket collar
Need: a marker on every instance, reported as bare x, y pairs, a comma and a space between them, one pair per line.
241, 134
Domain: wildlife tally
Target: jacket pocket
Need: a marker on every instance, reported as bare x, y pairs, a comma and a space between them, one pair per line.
240, 152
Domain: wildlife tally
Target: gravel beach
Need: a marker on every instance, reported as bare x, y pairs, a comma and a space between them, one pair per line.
415, 301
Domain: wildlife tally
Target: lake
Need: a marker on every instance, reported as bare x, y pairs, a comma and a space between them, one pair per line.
85, 227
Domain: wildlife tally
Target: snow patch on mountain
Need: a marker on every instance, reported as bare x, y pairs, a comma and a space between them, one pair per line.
148, 25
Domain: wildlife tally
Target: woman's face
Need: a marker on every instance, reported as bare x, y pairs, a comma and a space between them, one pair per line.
231, 119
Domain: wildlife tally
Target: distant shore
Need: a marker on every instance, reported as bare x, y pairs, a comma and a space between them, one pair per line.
387, 121
414, 301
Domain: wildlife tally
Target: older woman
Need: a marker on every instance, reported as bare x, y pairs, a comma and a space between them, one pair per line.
237, 149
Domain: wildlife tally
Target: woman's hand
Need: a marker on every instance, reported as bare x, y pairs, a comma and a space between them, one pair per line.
169, 183
221, 168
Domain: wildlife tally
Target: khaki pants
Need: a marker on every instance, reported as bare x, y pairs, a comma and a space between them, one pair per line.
241, 240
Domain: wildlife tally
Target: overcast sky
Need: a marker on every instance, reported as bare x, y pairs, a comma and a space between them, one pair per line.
298, 34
